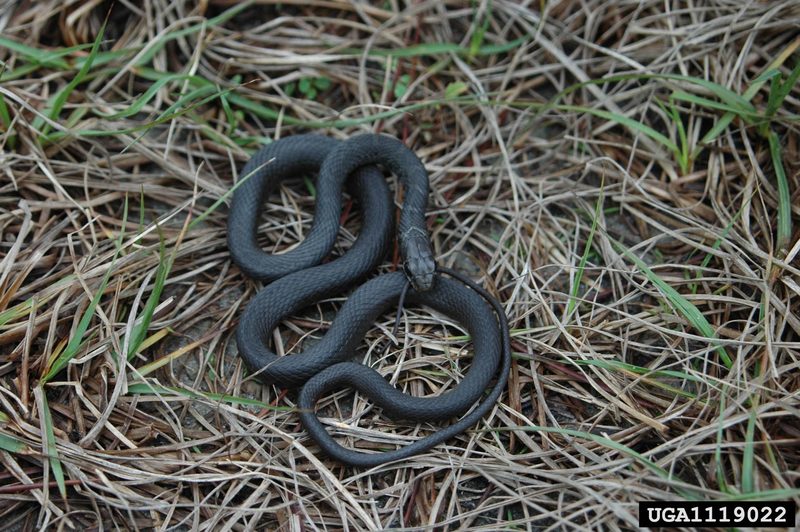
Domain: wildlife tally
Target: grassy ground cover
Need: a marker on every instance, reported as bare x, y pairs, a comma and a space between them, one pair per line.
623, 176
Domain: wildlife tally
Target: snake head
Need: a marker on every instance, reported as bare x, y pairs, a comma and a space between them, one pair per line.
419, 264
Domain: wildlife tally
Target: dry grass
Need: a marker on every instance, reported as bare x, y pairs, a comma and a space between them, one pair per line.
653, 287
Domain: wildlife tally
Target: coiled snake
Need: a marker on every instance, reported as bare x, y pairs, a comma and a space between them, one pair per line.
297, 279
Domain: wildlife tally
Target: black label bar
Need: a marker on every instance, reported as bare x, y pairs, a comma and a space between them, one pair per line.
718, 513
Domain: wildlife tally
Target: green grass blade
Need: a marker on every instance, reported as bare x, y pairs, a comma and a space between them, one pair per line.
50, 443
625, 121
16, 312
145, 98
494, 49
203, 94
76, 340
141, 388
139, 332
775, 99
74, 344
573, 297
720, 470
683, 152
748, 456
617, 365
690, 312
479, 28
715, 131
141, 213
435, 49
766, 495
619, 447
784, 197
24, 309
680, 153
5, 123
48, 58
772, 100
759, 82
211, 132
267, 113
790, 82
19, 72
455, 89
230, 116
748, 116
75, 117
11, 444
781, 90
736, 102
649, 374
54, 58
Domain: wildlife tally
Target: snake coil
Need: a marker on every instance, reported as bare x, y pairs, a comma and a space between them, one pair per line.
297, 279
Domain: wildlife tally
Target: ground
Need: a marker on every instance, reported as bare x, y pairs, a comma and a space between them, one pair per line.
621, 176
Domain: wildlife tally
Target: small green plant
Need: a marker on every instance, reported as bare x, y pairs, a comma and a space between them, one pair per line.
76, 341
681, 150
455, 89
308, 87
763, 121
401, 86
723, 99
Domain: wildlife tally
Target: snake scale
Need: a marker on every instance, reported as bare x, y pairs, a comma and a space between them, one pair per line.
298, 278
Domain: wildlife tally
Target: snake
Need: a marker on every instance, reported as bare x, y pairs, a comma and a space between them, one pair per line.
301, 276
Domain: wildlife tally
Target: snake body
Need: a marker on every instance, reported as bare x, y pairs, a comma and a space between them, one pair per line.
297, 279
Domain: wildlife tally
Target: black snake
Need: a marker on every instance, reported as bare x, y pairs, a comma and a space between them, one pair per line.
297, 279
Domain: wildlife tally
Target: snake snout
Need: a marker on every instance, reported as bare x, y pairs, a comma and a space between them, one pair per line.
422, 283
419, 264
420, 271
